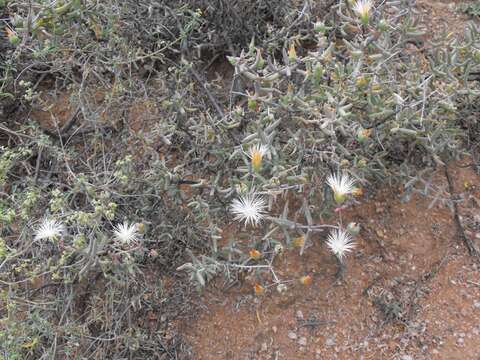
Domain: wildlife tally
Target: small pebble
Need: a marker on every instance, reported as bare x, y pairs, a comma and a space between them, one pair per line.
302, 341
292, 335
406, 357
299, 315
330, 342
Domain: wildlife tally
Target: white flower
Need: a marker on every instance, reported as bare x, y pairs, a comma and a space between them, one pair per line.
362, 8
49, 229
342, 185
126, 233
257, 149
249, 207
278, 249
340, 243
256, 154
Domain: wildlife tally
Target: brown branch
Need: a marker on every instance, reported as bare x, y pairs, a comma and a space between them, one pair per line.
210, 96
472, 250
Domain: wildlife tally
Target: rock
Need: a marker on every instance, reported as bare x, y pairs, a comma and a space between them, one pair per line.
406, 357
299, 315
302, 341
274, 329
292, 335
330, 342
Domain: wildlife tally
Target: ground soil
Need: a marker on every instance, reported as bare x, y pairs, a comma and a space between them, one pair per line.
442, 16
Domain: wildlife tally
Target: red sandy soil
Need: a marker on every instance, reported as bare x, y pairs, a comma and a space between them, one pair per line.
410, 291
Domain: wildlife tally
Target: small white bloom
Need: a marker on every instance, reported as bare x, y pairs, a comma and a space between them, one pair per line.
256, 154
282, 288
342, 185
249, 207
278, 249
126, 233
257, 150
362, 8
340, 243
49, 229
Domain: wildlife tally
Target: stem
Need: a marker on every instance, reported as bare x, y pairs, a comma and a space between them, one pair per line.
296, 225
341, 268
250, 266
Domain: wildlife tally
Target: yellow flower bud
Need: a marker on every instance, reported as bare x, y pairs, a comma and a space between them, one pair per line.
259, 289
306, 280
257, 161
376, 88
363, 134
299, 241
292, 53
141, 227
357, 192
256, 154
362, 81
362, 163
255, 254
